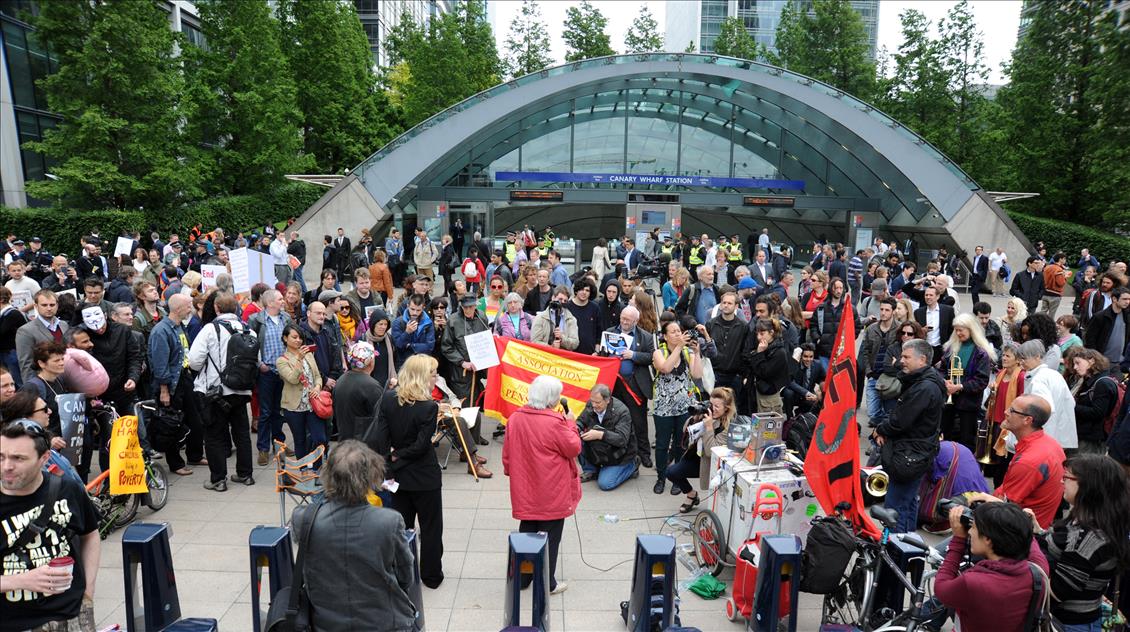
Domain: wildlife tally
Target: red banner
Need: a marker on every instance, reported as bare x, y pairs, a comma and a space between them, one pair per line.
832, 462
520, 362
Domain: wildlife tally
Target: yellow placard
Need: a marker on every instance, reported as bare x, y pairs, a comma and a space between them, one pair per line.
127, 465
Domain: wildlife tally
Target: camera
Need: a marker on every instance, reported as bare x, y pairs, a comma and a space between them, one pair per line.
698, 408
945, 505
648, 270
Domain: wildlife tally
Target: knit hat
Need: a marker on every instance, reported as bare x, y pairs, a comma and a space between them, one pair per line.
360, 354
746, 283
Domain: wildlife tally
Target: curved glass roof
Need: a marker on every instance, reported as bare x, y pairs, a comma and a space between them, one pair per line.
662, 113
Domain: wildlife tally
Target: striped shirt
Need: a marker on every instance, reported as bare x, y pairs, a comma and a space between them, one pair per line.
1082, 563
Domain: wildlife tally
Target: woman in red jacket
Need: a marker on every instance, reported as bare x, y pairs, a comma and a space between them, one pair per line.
992, 596
540, 457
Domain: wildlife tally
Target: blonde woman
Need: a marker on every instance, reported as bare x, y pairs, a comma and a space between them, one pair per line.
643, 302
904, 310
1015, 311
409, 416
673, 289
723, 411
967, 343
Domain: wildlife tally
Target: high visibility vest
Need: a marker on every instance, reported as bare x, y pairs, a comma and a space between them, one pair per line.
667, 250
511, 252
696, 255
735, 252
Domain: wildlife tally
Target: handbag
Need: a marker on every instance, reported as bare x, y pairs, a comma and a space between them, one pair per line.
906, 460
888, 386
290, 608
321, 401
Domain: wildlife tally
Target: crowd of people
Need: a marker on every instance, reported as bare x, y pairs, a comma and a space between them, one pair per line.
711, 330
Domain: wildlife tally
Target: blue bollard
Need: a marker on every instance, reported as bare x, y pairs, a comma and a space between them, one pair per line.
652, 602
528, 555
271, 549
892, 593
145, 552
415, 591
778, 569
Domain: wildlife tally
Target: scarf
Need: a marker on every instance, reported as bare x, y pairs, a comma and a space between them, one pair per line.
348, 326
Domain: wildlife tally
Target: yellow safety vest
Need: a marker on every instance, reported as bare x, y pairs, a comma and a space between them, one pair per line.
696, 255
735, 252
511, 252
666, 249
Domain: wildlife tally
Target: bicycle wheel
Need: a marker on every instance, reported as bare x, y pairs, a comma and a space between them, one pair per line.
844, 605
114, 511
709, 541
157, 477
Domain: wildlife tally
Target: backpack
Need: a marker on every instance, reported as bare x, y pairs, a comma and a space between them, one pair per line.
470, 270
798, 433
827, 551
241, 372
1112, 416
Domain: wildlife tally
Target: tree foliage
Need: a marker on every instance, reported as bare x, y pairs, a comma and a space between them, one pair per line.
735, 41
527, 44
1065, 105
119, 92
917, 93
444, 62
344, 112
584, 33
643, 36
829, 43
244, 99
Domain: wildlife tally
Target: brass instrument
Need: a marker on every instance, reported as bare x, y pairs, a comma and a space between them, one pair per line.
956, 371
874, 482
984, 448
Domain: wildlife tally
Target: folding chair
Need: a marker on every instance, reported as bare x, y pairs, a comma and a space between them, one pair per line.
294, 478
447, 428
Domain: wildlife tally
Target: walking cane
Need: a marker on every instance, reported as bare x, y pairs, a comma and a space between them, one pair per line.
466, 451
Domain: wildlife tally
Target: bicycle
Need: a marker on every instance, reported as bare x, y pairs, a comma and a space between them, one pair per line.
117, 510
852, 602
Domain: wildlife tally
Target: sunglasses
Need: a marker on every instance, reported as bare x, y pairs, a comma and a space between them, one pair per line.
32, 428
497, 287
906, 333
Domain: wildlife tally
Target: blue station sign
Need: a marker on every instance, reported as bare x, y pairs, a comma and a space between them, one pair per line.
641, 179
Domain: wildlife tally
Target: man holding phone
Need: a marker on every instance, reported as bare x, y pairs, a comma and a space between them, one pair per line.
608, 448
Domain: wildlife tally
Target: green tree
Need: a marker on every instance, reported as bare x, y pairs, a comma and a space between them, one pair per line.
119, 92
436, 66
917, 94
829, 44
735, 41
964, 62
1052, 108
1108, 163
244, 98
584, 33
527, 44
643, 36
343, 111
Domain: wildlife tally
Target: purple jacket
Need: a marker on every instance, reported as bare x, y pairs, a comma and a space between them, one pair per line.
504, 326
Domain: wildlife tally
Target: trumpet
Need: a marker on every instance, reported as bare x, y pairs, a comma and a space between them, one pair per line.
956, 371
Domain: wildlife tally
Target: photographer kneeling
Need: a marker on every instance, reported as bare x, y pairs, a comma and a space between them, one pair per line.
608, 451
995, 593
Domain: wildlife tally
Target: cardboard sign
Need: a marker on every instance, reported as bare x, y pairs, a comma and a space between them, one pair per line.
481, 350
249, 267
127, 466
72, 419
210, 272
123, 247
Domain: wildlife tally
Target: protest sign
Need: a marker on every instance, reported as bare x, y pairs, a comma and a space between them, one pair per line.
127, 466
520, 362
72, 420
123, 247
249, 267
209, 273
481, 350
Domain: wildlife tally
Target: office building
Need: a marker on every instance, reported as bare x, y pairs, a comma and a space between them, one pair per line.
698, 21
380, 17
1122, 7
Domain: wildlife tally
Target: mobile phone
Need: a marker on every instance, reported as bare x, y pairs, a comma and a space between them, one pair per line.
310, 348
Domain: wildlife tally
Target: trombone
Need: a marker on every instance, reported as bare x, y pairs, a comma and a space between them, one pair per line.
983, 451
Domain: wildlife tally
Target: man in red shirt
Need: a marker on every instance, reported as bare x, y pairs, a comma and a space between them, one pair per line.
1034, 479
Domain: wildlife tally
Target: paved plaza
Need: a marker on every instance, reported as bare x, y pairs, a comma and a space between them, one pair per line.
210, 531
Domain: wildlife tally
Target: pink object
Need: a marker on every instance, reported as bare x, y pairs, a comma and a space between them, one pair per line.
83, 374
540, 457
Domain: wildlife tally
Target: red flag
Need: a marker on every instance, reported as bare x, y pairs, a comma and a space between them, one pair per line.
832, 462
520, 362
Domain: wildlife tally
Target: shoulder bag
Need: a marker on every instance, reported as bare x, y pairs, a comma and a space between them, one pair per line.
321, 401
290, 608
888, 386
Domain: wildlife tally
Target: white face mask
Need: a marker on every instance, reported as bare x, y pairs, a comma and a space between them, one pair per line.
94, 318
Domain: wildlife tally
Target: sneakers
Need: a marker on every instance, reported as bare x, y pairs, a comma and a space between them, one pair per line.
560, 588
264, 457
217, 486
246, 480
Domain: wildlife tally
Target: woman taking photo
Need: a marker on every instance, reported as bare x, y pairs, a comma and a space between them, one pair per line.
408, 420
301, 379
676, 363
769, 365
437, 309
361, 581
723, 411
514, 323
975, 356
1096, 394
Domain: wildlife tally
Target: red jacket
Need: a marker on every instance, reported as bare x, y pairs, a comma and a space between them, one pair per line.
540, 457
992, 596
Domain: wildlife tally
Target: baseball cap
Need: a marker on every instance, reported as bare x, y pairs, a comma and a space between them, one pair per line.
328, 295
746, 284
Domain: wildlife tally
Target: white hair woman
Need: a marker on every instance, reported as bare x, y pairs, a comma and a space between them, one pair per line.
540, 457
513, 322
968, 349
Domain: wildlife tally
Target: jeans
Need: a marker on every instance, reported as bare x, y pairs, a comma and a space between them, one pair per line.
668, 430
609, 477
303, 424
298, 276
685, 469
878, 409
903, 498
1094, 626
10, 360
270, 416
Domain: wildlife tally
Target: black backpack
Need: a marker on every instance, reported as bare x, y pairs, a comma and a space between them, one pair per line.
241, 372
827, 551
798, 434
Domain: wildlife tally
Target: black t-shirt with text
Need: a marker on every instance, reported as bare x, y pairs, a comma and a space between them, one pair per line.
74, 516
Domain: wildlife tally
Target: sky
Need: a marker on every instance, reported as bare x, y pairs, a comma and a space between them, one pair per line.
997, 19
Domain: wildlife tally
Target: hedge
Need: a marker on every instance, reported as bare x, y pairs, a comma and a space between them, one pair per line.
1071, 238
61, 228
